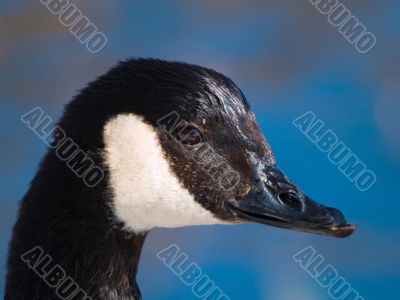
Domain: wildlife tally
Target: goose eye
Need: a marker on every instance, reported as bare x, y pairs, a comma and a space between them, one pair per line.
189, 135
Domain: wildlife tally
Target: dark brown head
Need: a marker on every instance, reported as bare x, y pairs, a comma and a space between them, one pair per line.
182, 147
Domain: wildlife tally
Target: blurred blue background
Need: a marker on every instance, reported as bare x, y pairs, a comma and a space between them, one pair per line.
287, 59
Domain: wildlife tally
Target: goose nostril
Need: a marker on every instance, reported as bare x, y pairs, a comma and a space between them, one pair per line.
291, 199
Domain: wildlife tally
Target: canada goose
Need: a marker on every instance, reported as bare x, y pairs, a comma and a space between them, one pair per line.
178, 145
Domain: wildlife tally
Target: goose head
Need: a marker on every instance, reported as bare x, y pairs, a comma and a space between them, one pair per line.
178, 145
182, 147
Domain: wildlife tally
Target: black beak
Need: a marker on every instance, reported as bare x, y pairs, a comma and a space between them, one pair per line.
274, 200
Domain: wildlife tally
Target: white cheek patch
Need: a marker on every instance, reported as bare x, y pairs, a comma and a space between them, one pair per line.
147, 193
